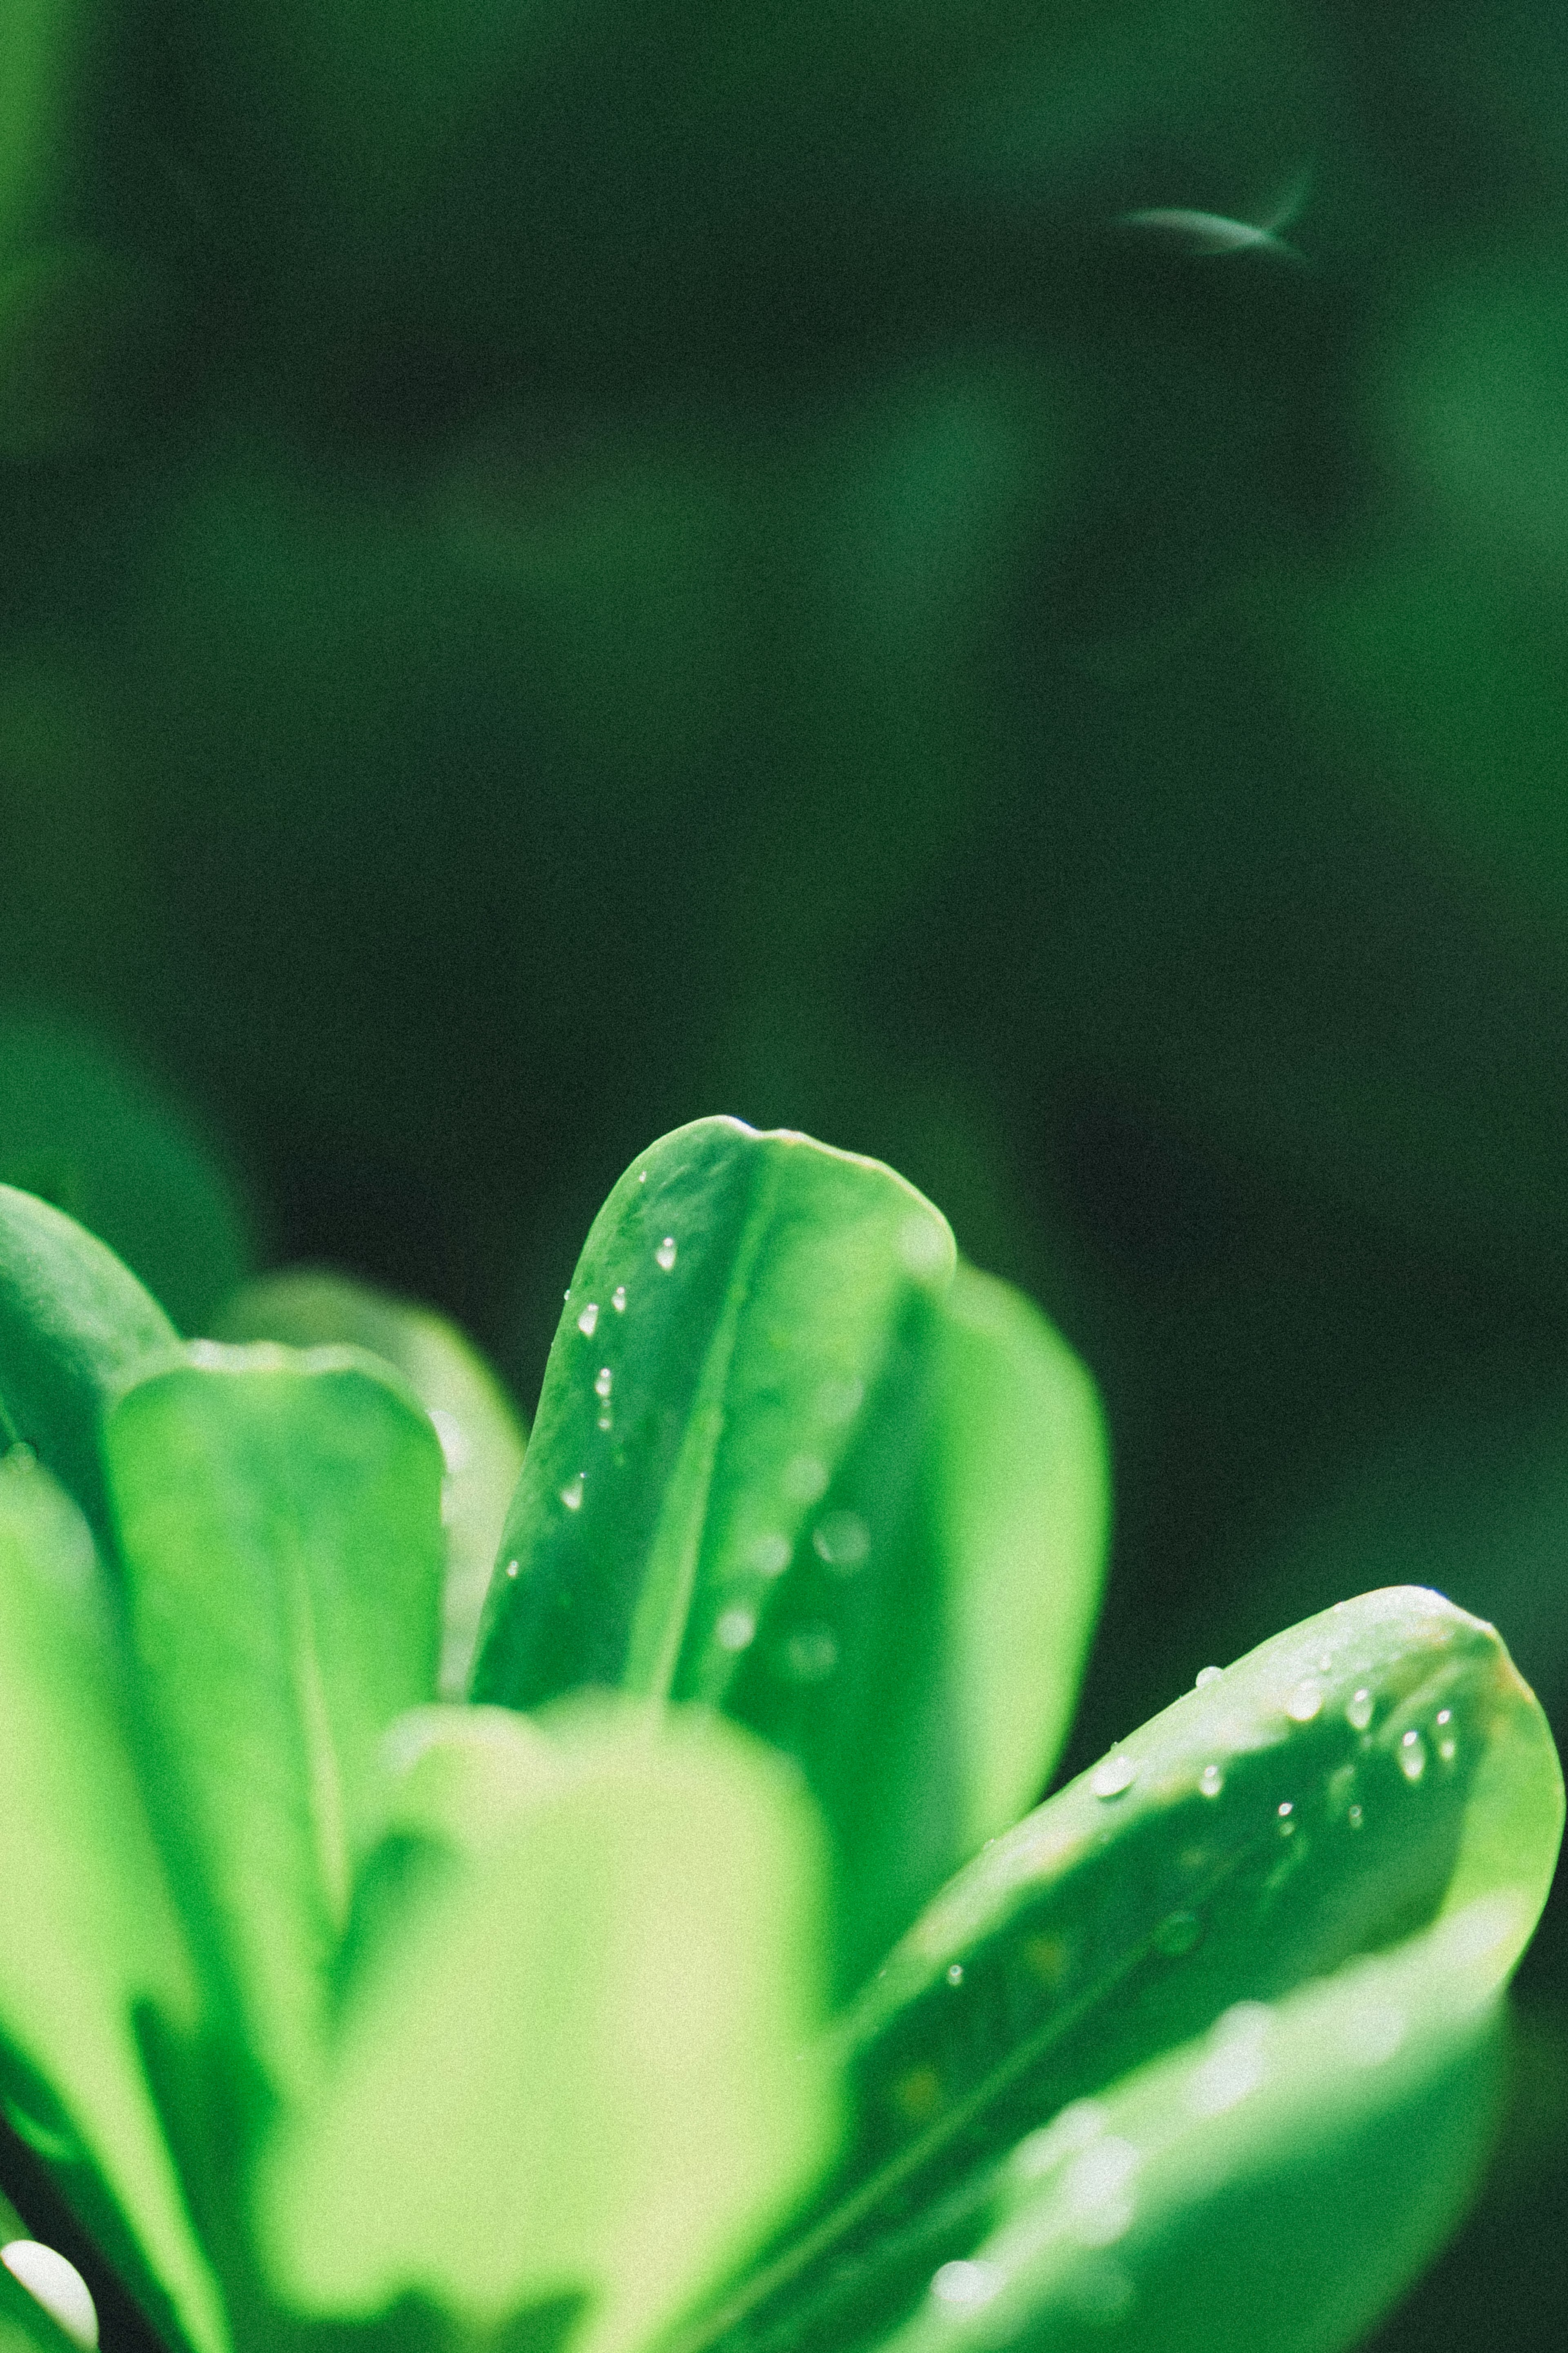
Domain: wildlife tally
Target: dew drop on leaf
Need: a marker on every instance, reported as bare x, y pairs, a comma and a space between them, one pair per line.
955, 1974
1112, 1776
1211, 1780
572, 1493
1412, 1756
1207, 1675
1177, 1934
810, 1654
736, 1628
1355, 1818
770, 1555
842, 1540
665, 1253
604, 1382
618, 1299
1358, 1710
588, 1318
1305, 1702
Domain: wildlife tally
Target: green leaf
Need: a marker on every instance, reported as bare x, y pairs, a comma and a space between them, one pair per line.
91, 1135
73, 1321
789, 1463
482, 1438
1338, 1790
581, 2066
279, 1520
101, 1934
1278, 2181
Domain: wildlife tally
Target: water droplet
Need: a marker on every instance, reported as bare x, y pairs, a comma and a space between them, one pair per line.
736, 1628
55, 2283
588, 1318
1211, 1780
1355, 1817
1208, 1675
513, 1567
965, 2286
1305, 1702
603, 1381
1412, 1756
810, 1654
1445, 1716
572, 1493
606, 1420
642, 1176
842, 1540
770, 1555
665, 1253
1358, 1710
921, 1245
1447, 1750
1286, 1810
805, 1478
1112, 1776
1177, 1934
955, 1974
839, 1401
618, 1299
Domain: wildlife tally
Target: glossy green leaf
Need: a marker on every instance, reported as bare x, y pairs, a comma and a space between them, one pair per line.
1278, 2181
1339, 1789
789, 1462
482, 1438
279, 1520
582, 2066
100, 1934
73, 1321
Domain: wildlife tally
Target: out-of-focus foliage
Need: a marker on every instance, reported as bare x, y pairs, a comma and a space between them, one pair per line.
562, 564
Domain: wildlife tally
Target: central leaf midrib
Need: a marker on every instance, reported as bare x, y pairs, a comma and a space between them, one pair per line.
669, 1582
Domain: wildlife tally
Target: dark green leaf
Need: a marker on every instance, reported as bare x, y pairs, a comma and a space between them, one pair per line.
786, 1464
1331, 1795
73, 1321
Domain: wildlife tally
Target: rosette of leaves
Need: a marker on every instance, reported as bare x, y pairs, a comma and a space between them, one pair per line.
694, 1985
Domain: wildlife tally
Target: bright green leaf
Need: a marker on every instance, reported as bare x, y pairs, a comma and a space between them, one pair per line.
581, 2067
279, 1520
73, 1321
1337, 1790
787, 1464
101, 1937
481, 1436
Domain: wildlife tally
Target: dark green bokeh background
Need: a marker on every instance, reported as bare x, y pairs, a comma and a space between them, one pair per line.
563, 566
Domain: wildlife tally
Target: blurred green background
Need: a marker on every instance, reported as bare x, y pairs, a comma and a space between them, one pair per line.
565, 566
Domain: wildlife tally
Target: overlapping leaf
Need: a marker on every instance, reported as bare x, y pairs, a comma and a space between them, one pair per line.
1351, 1787
482, 1439
572, 2068
787, 1461
279, 1522
91, 1931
